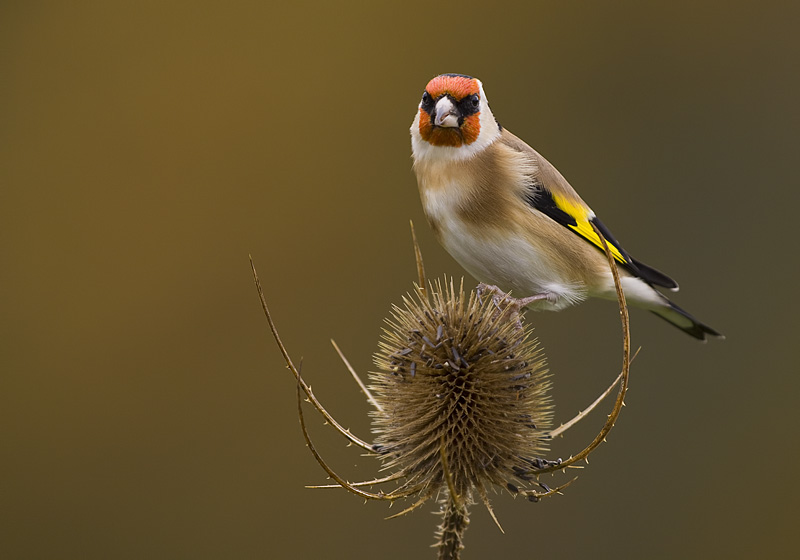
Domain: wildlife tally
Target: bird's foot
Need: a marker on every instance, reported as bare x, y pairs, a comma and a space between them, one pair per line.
507, 304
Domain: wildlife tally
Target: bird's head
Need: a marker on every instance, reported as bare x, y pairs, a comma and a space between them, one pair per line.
454, 120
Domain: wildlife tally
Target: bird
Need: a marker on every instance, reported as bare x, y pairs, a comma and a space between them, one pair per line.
508, 217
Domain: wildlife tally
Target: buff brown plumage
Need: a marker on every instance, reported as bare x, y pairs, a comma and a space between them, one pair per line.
511, 219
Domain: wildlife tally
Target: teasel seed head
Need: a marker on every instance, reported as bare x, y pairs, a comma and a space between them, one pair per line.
461, 393
460, 401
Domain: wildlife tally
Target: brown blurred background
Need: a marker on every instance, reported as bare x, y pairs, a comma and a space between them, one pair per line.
146, 148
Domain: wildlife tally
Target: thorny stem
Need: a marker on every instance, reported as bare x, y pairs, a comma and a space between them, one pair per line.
447, 476
455, 519
623, 313
391, 496
420, 264
626, 362
582, 414
290, 364
361, 384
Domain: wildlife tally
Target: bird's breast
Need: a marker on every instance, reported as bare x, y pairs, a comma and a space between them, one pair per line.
501, 252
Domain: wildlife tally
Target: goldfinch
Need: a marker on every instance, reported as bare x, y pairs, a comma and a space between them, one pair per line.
511, 219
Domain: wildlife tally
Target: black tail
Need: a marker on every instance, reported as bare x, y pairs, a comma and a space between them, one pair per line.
685, 322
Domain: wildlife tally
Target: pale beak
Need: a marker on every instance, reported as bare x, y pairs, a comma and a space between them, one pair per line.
446, 113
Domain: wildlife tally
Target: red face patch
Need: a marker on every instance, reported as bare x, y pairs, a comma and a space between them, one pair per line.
457, 87
467, 133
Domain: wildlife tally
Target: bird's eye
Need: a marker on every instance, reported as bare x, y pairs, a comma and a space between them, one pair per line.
425, 97
476, 101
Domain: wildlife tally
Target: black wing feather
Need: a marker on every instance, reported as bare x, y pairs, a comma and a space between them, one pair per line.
542, 200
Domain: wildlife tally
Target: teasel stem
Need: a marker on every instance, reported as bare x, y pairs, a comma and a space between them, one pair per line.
290, 364
420, 264
455, 519
455, 516
625, 375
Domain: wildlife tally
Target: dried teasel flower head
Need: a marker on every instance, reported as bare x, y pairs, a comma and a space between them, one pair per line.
461, 394
460, 401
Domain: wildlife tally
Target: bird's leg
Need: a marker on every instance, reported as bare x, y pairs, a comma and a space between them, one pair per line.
492, 290
503, 301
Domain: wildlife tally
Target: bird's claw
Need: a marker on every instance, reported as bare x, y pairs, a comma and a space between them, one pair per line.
505, 303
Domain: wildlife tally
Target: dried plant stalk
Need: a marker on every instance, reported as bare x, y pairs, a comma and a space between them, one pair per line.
460, 403
450, 536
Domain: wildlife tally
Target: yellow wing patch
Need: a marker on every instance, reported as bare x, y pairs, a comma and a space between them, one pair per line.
582, 226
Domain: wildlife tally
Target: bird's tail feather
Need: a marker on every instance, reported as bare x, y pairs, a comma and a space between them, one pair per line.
684, 321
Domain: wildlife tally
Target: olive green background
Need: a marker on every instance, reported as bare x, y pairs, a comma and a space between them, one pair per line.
146, 148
